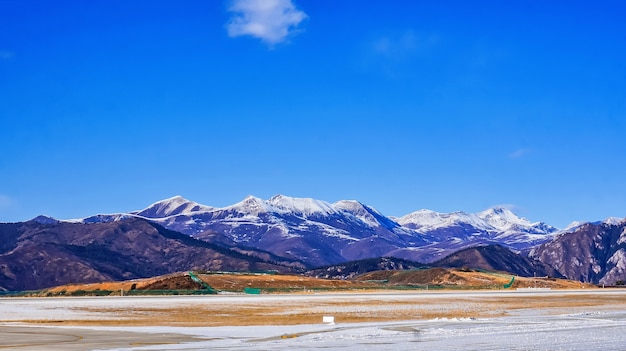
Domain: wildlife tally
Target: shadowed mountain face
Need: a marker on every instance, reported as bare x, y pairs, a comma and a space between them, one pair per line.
35, 255
349, 270
593, 252
496, 258
487, 257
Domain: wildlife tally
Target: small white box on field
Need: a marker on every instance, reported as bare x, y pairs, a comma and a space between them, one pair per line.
328, 319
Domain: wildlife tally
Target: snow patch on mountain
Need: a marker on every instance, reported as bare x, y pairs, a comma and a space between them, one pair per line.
573, 226
613, 221
622, 237
616, 267
105, 218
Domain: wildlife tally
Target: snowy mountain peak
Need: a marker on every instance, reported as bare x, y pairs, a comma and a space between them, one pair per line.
356, 208
250, 205
428, 219
498, 211
614, 221
365, 213
300, 205
505, 220
421, 216
496, 219
252, 202
502, 217
348, 205
252, 199
44, 220
170, 207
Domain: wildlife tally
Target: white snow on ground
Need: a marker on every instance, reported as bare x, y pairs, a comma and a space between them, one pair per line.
578, 328
566, 332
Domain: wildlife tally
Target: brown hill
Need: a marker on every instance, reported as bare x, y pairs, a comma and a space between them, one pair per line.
227, 282
463, 279
36, 255
496, 258
268, 283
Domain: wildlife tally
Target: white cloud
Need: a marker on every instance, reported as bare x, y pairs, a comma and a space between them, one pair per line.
269, 20
519, 153
510, 207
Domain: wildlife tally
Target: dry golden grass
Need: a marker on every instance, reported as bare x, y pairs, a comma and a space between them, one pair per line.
112, 286
294, 283
222, 282
237, 282
466, 279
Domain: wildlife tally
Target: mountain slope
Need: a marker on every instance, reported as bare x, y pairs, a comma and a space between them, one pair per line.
35, 255
592, 252
319, 233
349, 270
496, 258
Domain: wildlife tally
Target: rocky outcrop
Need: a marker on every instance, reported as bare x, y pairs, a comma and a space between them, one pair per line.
593, 252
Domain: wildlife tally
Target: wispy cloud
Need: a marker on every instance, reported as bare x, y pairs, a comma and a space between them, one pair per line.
272, 21
519, 153
6, 55
393, 52
395, 47
5, 202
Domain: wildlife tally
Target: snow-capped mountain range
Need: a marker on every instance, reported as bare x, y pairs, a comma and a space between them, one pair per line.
317, 232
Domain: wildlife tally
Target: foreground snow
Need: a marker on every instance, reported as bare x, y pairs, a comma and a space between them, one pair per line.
582, 331
589, 326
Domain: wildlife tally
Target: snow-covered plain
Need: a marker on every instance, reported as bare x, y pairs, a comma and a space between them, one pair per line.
595, 326
582, 331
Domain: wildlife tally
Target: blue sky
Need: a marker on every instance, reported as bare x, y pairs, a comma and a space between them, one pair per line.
108, 106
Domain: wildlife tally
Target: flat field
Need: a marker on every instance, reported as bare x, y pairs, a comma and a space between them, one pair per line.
470, 320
